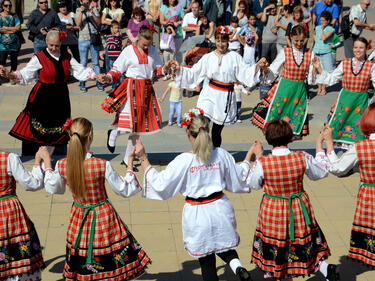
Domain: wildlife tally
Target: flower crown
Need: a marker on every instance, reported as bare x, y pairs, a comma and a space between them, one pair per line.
150, 27
223, 30
194, 112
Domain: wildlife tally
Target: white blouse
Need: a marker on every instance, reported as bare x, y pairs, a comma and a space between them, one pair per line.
30, 181
336, 75
276, 67
188, 175
316, 168
226, 68
26, 75
124, 186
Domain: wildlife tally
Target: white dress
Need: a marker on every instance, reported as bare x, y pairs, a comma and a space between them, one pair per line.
211, 227
218, 105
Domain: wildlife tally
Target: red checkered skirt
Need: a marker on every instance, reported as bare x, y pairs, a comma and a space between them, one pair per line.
20, 250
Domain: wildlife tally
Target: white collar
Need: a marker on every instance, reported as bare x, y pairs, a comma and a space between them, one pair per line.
56, 57
280, 151
372, 136
89, 155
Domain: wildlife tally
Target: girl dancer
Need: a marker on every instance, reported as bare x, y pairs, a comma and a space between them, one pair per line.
134, 100
99, 244
287, 99
355, 74
360, 155
288, 241
208, 221
20, 252
222, 68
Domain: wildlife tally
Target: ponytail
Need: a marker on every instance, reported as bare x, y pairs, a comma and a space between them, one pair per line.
202, 146
80, 131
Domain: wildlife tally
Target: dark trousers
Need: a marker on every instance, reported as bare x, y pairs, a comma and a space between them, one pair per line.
30, 148
348, 46
73, 49
208, 264
13, 59
216, 134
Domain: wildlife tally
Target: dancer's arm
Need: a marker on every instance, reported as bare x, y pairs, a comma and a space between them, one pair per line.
53, 181
330, 78
80, 72
26, 75
189, 78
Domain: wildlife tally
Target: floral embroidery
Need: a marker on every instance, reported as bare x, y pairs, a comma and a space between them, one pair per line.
4, 255
121, 258
274, 252
56, 130
292, 254
258, 246
95, 266
24, 248
370, 243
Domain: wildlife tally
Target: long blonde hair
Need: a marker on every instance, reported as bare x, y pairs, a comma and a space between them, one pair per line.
79, 136
202, 146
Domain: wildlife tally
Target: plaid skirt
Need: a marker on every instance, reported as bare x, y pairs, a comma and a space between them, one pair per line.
274, 252
20, 250
116, 253
362, 240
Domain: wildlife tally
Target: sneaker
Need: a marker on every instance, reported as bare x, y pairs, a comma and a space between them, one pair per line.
242, 274
170, 123
82, 87
239, 121
100, 86
179, 125
332, 273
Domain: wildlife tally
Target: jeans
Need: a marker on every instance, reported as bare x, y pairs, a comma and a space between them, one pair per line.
13, 59
108, 66
39, 45
84, 47
175, 107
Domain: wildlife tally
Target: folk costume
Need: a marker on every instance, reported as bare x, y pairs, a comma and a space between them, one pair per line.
44, 119
287, 99
352, 100
288, 241
20, 250
99, 244
360, 155
208, 220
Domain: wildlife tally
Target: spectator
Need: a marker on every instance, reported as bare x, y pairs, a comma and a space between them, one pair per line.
326, 5
10, 43
215, 11
41, 20
139, 4
282, 23
258, 7
88, 20
234, 43
113, 47
242, 13
306, 9
249, 38
206, 27
152, 8
190, 21
67, 20
173, 12
137, 20
297, 20
167, 45
357, 16
126, 6
111, 13
269, 34
322, 48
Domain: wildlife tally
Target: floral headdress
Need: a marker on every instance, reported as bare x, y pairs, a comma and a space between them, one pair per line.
150, 27
62, 35
194, 112
67, 125
223, 30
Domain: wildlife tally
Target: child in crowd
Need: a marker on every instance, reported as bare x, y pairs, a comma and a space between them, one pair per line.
98, 241
234, 43
167, 45
323, 46
175, 101
288, 241
113, 47
249, 38
239, 89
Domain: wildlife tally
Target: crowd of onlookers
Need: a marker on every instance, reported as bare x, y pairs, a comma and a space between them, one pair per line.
260, 28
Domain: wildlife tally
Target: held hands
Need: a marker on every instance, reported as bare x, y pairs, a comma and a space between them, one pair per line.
263, 65
139, 149
43, 155
103, 78
258, 149
316, 64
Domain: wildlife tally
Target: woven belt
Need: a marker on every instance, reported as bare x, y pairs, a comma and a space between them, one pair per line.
220, 85
92, 229
8, 196
291, 213
204, 200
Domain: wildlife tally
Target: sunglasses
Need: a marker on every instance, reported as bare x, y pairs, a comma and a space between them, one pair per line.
45, 2
7, 5
367, 4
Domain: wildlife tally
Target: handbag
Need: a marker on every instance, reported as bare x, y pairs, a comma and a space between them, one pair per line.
19, 34
94, 38
106, 29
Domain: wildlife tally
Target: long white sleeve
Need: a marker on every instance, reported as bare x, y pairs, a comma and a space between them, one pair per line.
316, 168
275, 68
256, 176
189, 78
80, 72
54, 182
235, 180
30, 181
124, 186
245, 73
27, 74
341, 166
331, 78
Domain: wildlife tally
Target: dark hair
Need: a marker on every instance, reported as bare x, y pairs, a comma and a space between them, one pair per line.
222, 36
118, 4
367, 122
60, 4
138, 12
327, 15
166, 2
234, 19
363, 40
278, 133
243, 2
114, 22
297, 30
252, 15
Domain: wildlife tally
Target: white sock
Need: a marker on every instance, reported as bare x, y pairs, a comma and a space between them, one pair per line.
112, 137
324, 268
234, 264
129, 148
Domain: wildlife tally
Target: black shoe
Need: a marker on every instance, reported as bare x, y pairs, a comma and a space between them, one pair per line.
333, 273
110, 148
242, 274
135, 169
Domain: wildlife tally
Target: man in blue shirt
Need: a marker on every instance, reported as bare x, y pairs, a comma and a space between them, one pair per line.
326, 5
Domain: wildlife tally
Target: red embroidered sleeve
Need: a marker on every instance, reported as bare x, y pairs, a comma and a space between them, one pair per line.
159, 71
115, 74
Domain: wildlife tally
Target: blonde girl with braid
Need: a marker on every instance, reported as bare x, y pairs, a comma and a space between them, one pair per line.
99, 244
201, 175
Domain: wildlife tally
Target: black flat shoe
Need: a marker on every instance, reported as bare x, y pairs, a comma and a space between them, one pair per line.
110, 148
333, 273
135, 169
242, 274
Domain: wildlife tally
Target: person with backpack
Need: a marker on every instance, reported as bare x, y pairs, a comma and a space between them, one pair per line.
353, 24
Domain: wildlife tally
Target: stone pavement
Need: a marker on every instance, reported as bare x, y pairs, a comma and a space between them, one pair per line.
157, 224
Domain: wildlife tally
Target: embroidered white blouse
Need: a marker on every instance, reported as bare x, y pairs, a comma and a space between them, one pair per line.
316, 168
26, 75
